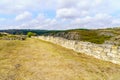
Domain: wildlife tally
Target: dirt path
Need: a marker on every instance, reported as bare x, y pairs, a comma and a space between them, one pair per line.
34, 59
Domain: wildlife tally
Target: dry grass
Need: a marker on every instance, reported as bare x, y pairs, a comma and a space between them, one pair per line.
34, 59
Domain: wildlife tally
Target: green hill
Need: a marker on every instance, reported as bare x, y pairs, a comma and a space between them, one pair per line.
98, 36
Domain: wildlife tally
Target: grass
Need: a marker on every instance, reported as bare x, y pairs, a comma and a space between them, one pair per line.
81, 34
35, 59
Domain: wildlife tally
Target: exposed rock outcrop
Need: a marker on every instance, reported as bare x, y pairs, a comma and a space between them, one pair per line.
105, 52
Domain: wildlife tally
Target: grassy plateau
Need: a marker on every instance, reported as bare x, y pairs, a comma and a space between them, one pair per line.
34, 59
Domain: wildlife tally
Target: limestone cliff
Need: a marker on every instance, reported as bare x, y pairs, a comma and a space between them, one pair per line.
105, 52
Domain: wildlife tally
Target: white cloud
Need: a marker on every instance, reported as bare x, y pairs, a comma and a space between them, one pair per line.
97, 21
71, 9
24, 16
116, 21
61, 14
67, 13
70, 13
18, 6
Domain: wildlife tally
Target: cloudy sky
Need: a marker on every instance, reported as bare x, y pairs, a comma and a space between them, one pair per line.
59, 14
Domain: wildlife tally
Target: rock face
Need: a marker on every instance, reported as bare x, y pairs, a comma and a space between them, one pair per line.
101, 51
114, 40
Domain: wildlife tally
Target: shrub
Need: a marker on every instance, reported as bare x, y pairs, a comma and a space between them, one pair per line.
29, 34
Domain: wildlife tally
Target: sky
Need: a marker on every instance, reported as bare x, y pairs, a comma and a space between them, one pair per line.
59, 14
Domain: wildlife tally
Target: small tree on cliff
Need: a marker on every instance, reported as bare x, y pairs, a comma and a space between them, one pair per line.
29, 34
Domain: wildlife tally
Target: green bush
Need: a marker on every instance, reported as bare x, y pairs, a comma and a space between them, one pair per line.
29, 34
1, 35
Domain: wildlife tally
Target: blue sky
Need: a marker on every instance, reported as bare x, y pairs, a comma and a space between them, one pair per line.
59, 14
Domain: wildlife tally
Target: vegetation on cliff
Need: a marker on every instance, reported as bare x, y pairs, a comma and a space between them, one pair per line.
6, 36
81, 35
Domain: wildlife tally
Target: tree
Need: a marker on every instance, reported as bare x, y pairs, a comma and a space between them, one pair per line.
29, 34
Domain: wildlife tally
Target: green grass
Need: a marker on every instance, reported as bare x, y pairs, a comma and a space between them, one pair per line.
35, 59
82, 35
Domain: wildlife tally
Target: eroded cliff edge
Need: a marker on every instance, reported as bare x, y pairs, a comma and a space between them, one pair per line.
105, 52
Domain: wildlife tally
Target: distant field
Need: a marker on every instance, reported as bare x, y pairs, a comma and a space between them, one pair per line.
34, 59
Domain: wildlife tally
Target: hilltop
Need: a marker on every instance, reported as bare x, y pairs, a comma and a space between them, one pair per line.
34, 59
23, 58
